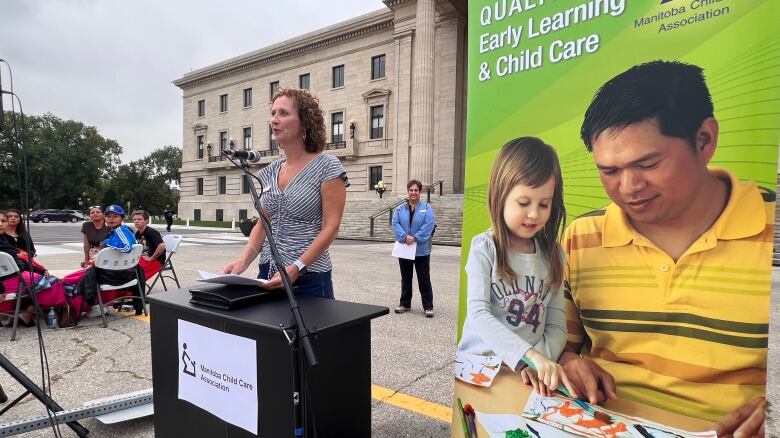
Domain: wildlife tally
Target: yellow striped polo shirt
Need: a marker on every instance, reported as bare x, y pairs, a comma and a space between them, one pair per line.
691, 336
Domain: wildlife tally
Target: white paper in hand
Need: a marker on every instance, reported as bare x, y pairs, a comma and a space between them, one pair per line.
404, 251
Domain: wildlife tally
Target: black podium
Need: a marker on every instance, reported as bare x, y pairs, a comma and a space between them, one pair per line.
339, 388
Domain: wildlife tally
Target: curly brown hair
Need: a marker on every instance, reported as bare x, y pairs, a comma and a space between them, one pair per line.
311, 116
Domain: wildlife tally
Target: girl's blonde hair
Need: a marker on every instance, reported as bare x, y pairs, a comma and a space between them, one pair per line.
528, 161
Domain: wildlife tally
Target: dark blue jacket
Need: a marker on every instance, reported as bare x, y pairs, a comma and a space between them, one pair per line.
121, 239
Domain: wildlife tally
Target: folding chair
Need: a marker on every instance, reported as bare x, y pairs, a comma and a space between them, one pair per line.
113, 260
8, 267
172, 242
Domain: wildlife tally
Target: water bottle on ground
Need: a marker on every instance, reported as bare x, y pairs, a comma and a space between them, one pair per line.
51, 319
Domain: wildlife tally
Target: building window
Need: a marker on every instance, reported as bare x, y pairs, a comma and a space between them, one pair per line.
202, 108
199, 145
271, 140
246, 182
374, 176
247, 97
378, 67
196, 213
199, 184
220, 215
337, 127
247, 138
338, 76
223, 103
377, 121
272, 89
222, 185
222, 141
242, 214
303, 81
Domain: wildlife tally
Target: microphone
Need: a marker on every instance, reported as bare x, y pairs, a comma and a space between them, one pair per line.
251, 156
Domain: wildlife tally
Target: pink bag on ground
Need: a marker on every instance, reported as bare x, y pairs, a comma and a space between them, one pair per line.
48, 297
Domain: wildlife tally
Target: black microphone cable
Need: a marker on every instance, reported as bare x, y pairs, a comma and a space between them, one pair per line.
18, 138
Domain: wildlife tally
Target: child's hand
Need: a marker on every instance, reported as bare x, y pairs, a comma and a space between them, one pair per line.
549, 375
530, 378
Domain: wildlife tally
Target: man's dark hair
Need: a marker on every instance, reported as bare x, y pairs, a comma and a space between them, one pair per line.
414, 182
671, 92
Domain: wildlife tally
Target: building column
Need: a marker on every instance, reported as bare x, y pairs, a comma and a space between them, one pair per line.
402, 109
421, 162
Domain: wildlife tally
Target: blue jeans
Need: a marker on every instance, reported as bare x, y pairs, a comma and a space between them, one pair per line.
312, 284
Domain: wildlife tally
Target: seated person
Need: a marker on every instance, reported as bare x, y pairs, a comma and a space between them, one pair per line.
16, 230
153, 258
122, 239
7, 301
95, 231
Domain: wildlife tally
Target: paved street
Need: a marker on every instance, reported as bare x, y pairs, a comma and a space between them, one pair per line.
411, 355
59, 233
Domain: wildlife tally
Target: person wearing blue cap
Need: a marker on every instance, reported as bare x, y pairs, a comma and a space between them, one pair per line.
121, 238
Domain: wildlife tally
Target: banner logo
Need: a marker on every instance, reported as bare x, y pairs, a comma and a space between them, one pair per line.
185, 358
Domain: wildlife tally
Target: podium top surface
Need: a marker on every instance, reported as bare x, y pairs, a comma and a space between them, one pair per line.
321, 313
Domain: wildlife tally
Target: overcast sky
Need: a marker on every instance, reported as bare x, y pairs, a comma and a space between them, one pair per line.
110, 64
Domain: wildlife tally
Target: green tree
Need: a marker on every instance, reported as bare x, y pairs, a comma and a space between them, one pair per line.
65, 159
166, 162
145, 183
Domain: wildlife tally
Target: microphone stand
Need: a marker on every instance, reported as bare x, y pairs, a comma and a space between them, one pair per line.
37, 392
30, 387
296, 333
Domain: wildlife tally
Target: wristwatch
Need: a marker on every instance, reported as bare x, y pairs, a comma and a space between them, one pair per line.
301, 267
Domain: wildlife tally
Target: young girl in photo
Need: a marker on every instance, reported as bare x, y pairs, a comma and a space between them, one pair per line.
515, 270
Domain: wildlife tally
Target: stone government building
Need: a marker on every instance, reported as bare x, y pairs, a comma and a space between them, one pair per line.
392, 85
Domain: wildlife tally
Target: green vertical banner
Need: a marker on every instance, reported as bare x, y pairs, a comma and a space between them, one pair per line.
535, 65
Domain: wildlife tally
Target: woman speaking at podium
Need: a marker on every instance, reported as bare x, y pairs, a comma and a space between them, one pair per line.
304, 198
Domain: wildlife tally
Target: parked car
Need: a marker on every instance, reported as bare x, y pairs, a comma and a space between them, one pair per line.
49, 215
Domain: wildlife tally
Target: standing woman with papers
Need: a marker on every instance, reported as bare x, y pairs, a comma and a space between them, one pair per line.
304, 198
413, 224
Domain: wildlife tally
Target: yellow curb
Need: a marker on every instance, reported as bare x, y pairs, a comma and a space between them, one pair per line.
141, 318
397, 399
414, 404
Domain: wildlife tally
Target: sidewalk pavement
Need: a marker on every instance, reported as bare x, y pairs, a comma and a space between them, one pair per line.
162, 226
411, 354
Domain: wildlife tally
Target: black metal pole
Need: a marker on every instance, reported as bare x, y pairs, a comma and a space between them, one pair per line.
30, 386
303, 332
13, 403
300, 334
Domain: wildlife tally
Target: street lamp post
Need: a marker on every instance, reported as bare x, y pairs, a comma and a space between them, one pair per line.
380, 188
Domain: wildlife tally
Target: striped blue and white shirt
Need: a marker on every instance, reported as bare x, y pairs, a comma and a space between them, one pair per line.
296, 211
